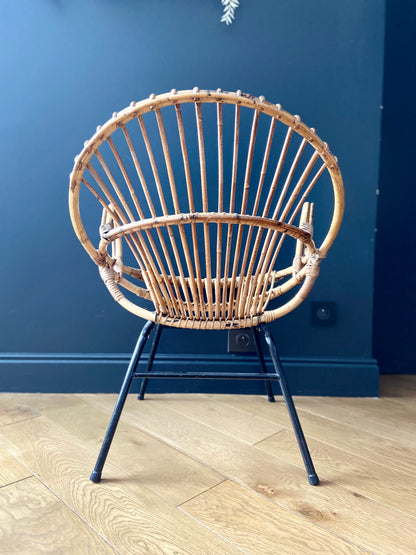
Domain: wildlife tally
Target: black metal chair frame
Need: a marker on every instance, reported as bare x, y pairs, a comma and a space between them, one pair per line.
264, 375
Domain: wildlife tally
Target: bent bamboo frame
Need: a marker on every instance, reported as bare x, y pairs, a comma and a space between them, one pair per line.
231, 287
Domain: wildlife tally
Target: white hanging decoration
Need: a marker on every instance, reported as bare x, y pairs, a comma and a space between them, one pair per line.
229, 8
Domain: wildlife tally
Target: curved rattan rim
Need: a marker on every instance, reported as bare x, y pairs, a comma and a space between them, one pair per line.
192, 96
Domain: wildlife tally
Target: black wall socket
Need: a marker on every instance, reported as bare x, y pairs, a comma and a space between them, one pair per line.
241, 341
323, 313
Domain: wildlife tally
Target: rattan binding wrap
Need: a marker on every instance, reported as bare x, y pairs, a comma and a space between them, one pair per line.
204, 253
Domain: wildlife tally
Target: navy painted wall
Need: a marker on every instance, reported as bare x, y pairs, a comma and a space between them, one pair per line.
395, 298
66, 66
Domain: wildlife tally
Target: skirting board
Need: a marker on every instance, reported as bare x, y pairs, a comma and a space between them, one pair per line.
103, 373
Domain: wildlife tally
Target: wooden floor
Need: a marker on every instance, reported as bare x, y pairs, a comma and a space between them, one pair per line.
209, 474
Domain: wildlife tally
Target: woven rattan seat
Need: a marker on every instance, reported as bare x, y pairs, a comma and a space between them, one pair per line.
199, 208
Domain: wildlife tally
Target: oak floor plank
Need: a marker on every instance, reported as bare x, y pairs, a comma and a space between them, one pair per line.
13, 410
357, 473
266, 479
256, 525
38, 402
383, 417
11, 470
126, 514
351, 438
380, 416
351, 515
33, 520
142, 456
236, 423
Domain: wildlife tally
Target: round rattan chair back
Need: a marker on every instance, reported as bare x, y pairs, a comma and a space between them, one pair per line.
204, 208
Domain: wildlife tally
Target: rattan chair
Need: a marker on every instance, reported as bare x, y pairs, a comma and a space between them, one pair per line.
198, 210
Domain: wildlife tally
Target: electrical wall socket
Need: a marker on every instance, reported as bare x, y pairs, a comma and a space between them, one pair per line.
323, 313
241, 341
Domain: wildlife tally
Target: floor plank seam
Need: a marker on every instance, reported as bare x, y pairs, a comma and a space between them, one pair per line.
16, 481
201, 493
269, 420
351, 425
251, 413
117, 465
210, 426
309, 438
166, 442
213, 531
6, 448
301, 410
18, 421
175, 447
238, 409
76, 514
268, 437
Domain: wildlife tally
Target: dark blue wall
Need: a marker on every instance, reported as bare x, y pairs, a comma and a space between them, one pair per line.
395, 298
66, 66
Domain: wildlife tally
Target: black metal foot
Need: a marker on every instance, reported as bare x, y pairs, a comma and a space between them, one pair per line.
95, 477
297, 428
140, 397
313, 479
271, 399
96, 474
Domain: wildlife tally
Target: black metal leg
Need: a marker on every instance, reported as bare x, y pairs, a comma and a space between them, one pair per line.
312, 476
260, 355
143, 386
96, 474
